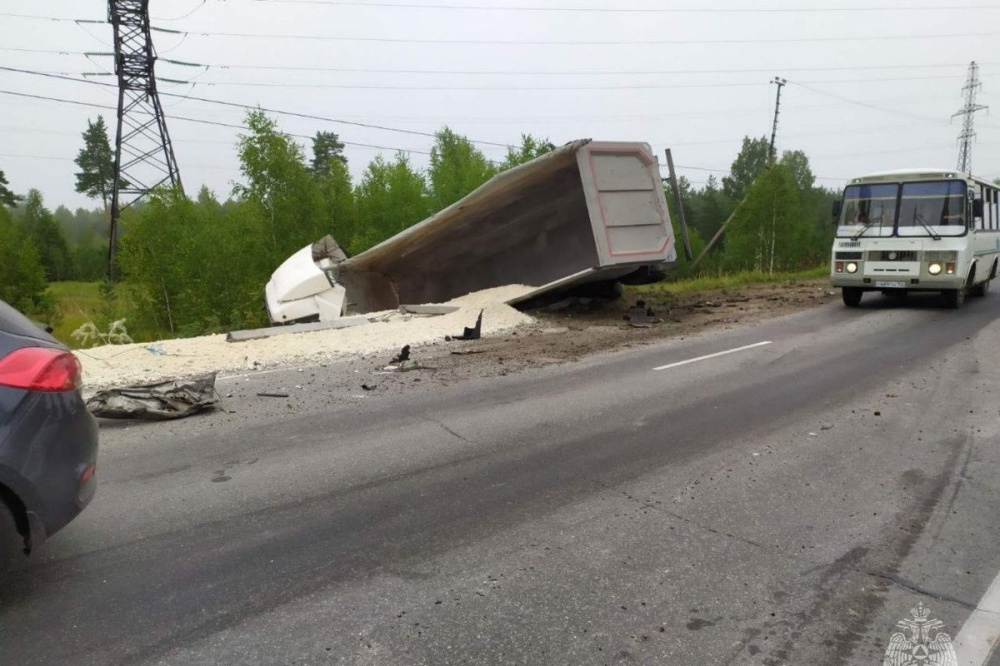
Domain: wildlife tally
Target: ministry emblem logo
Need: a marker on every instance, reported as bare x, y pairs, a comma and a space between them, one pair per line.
920, 641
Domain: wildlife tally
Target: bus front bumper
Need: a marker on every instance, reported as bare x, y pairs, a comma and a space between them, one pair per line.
923, 283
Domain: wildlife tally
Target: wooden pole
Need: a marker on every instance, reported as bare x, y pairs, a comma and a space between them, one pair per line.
718, 234
680, 206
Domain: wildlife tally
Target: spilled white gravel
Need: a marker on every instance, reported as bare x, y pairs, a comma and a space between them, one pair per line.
116, 365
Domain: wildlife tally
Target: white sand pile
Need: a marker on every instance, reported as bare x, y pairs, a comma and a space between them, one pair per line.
115, 365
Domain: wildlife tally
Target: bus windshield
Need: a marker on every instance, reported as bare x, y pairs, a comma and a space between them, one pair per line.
940, 204
867, 206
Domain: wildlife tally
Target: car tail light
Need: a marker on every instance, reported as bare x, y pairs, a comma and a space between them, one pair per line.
40, 369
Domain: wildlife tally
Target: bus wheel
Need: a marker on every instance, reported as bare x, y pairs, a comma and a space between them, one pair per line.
980, 289
852, 296
954, 298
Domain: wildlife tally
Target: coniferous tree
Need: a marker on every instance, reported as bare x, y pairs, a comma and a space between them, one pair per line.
96, 161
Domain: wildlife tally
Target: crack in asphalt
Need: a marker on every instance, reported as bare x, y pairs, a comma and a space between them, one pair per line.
913, 587
448, 430
707, 528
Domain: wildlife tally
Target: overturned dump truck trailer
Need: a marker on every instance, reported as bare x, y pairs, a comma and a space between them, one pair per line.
587, 212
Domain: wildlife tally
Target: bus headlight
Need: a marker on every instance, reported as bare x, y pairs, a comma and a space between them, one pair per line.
852, 267
934, 269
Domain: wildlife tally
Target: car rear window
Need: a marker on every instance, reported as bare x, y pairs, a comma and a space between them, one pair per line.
12, 321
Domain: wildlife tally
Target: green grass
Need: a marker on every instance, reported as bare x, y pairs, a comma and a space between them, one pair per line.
78, 302
729, 280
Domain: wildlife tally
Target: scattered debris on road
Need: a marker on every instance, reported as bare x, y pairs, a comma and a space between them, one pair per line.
403, 356
474, 333
273, 395
162, 401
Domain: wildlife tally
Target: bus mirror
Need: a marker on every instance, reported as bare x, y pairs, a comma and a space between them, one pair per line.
837, 207
977, 208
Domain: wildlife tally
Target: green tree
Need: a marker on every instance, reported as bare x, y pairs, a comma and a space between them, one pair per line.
457, 167
391, 197
749, 164
280, 185
7, 197
529, 149
337, 193
96, 161
769, 233
22, 277
712, 207
43, 230
327, 148
798, 164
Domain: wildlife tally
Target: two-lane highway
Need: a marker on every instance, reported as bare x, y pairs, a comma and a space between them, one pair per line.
780, 494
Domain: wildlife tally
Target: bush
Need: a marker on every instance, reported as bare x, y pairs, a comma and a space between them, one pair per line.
22, 276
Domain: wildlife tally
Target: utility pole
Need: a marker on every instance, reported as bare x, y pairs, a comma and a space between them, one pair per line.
780, 82
675, 186
969, 110
144, 156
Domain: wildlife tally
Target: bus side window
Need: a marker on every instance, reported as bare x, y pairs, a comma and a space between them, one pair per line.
979, 223
995, 209
989, 212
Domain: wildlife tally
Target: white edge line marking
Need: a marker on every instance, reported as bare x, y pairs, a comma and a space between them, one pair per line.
979, 635
715, 355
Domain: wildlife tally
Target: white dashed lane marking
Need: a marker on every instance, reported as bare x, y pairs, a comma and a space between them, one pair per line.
715, 355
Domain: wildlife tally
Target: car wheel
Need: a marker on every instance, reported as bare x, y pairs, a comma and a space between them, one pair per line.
11, 541
954, 298
852, 296
980, 289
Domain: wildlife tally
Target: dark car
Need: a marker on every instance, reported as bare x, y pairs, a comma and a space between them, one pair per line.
48, 439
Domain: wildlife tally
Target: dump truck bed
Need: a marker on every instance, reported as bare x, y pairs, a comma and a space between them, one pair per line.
586, 211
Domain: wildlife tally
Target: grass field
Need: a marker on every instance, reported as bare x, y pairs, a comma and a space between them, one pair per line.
727, 280
79, 302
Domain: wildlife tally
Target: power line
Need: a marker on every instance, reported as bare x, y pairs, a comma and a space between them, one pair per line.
182, 16
548, 88
726, 171
637, 86
627, 10
587, 43
221, 142
205, 122
70, 159
294, 114
866, 105
520, 42
494, 72
576, 72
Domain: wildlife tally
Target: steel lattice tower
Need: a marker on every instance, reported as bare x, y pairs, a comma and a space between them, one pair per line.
969, 110
144, 156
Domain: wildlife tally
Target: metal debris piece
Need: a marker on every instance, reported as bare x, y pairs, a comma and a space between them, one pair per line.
172, 399
273, 395
465, 352
474, 333
403, 356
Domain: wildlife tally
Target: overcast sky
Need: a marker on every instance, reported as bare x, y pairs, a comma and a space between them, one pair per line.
873, 99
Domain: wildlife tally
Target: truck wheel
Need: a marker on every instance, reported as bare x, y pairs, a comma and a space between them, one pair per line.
852, 296
954, 298
11, 541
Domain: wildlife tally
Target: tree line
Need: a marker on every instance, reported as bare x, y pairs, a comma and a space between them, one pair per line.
192, 265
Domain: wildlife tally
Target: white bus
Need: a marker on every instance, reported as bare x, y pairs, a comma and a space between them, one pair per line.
916, 230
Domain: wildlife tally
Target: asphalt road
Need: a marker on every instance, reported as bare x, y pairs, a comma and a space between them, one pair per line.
785, 504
